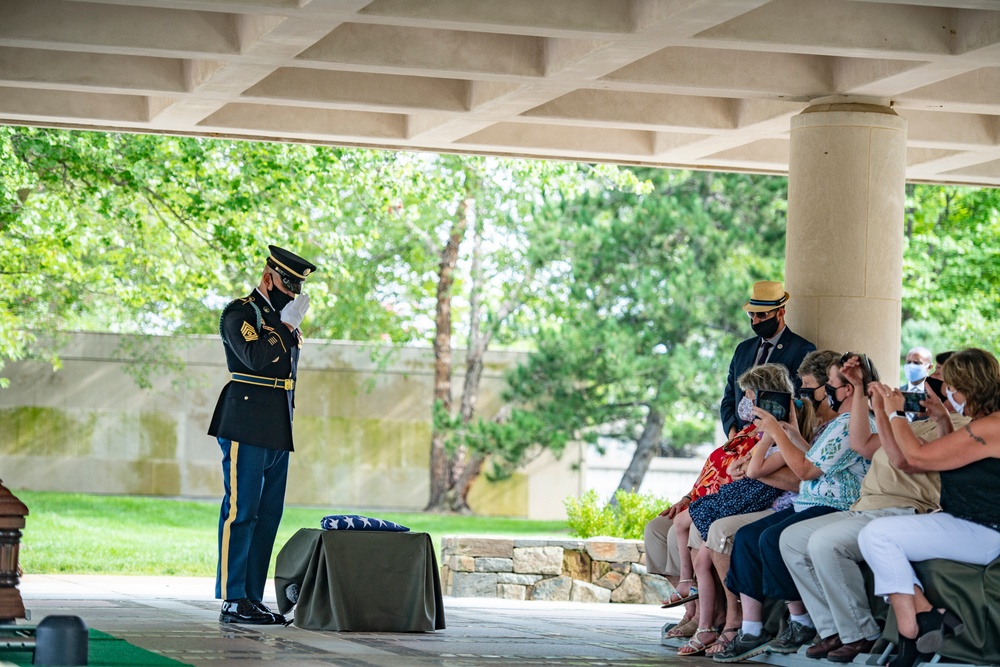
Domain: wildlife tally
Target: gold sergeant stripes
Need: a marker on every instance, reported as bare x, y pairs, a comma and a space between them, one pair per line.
249, 333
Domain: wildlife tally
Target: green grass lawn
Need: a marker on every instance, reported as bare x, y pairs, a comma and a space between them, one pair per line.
95, 534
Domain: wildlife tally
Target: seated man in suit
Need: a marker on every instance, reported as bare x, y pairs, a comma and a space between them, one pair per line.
917, 369
773, 342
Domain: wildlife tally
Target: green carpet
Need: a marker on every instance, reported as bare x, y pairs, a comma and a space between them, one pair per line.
103, 651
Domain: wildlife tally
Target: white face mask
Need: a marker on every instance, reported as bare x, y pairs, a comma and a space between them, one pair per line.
744, 410
959, 408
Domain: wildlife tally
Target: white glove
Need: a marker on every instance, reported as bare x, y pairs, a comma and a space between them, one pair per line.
295, 311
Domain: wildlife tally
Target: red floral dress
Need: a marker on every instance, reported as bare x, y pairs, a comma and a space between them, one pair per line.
713, 473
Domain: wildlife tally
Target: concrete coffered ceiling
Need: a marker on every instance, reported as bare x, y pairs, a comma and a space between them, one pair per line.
709, 84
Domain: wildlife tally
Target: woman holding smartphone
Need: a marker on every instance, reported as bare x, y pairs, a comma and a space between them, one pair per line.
968, 530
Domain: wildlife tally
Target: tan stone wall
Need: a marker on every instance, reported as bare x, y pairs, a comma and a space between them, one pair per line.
598, 569
362, 430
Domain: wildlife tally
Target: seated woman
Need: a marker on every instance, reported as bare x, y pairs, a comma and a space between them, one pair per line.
720, 520
822, 554
743, 494
968, 530
662, 551
831, 472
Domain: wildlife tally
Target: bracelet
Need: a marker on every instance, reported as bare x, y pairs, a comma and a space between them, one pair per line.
897, 415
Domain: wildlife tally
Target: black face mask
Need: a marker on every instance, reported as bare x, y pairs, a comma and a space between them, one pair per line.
278, 298
831, 397
937, 386
807, 394
766, 328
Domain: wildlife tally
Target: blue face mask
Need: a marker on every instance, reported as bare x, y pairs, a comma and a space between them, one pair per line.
915, 372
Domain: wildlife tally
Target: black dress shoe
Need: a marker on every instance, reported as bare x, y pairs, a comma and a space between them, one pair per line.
278, 618
247, 612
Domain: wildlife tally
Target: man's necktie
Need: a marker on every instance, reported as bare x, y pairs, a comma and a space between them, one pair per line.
762, 356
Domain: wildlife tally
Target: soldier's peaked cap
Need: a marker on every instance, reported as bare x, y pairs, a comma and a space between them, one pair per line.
292, 268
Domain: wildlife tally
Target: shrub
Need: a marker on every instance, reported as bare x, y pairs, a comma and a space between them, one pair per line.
589, 516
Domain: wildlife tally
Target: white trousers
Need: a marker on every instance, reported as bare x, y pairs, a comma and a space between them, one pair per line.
823, 557
889, 544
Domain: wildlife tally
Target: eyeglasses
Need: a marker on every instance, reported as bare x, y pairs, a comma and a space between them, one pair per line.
762, 316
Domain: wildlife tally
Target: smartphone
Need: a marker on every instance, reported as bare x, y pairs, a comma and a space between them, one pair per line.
937, 386
778, 403
912, 401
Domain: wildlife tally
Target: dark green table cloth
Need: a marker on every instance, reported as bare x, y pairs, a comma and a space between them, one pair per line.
360, 581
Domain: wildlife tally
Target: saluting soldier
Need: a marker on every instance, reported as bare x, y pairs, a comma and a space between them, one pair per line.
253, 424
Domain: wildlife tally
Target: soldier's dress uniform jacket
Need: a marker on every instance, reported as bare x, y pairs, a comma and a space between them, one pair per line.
262, 354
253, 424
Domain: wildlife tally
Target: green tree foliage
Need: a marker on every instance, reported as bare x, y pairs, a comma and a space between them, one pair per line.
151, 234
626, 283
503, 234
647, 302
951, 268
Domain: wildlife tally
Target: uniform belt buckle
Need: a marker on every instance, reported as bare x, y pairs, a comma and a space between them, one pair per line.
289, 384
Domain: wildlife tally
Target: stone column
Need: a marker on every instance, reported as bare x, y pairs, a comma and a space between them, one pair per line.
844, 249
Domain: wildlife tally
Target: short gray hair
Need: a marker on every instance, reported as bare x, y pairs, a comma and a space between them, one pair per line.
817, 364
766, 377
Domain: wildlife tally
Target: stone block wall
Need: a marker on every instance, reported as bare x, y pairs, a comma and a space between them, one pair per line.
599, 569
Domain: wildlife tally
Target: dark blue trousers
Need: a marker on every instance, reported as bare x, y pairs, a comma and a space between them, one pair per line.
756, 568
248, 520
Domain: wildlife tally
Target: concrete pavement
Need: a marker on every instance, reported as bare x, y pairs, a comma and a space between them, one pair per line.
178, 618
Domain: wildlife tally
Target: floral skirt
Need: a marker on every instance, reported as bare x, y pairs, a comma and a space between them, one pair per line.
738, 497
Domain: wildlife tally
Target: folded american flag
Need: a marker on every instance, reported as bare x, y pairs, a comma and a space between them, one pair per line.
358, 522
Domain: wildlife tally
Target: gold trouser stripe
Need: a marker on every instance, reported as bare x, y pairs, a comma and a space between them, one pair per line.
234, 451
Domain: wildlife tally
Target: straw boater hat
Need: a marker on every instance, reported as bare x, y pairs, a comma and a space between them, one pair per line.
767, 295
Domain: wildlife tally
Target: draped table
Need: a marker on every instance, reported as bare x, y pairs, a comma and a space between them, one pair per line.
360, 581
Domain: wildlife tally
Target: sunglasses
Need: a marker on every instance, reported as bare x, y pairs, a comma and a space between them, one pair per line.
763, 316
867, 366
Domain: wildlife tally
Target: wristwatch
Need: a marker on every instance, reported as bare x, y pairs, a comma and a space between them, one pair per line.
897, 413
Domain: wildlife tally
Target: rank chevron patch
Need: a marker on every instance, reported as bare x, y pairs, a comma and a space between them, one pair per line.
249, 333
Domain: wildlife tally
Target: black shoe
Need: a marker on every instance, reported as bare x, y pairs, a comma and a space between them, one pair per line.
744, 646
278, 618
907, 654
934, 626
791, 638
247, 612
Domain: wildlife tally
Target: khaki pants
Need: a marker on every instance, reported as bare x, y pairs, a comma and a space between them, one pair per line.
662, 556
721, 532
823, 557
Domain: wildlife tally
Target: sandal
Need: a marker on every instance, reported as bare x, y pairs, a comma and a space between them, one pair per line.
696, 646
676, 599
682, 630
723, 640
